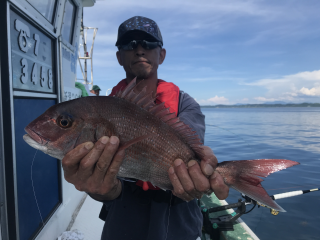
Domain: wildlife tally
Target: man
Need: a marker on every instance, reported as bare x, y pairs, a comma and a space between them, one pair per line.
95, 90
133, 213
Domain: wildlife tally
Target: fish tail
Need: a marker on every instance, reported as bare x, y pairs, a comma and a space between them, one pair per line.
244, 176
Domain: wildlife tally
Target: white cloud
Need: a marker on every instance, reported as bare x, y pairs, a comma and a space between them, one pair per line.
311, 92
294, 78
290, 87
213, 101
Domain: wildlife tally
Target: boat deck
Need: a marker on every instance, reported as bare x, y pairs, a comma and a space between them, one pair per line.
87, 221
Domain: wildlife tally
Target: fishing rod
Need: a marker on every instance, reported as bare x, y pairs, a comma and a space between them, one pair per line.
214, 226
286, 195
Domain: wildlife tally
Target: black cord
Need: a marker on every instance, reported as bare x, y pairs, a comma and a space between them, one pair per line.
255, 204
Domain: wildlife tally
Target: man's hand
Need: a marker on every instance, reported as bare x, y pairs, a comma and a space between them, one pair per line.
196, 180
93, 168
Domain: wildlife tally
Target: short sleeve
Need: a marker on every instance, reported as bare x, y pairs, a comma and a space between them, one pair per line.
190, 113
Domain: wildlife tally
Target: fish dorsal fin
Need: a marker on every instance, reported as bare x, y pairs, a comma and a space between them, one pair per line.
145, 100
128, 88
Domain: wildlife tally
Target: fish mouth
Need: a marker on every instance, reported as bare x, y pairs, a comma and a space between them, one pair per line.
35, 136
44, 148
29, 140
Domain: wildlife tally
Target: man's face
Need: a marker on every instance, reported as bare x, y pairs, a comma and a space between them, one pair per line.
96, 92
140, 62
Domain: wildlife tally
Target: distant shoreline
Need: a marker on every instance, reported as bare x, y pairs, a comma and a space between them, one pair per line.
263, 105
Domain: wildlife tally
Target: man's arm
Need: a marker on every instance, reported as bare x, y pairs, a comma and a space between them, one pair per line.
93, 168
194, 180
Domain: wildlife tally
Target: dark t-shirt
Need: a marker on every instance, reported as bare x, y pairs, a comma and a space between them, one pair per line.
136, 216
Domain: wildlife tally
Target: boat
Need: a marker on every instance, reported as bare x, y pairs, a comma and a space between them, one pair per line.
39, 55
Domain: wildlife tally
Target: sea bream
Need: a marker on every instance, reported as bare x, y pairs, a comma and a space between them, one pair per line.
151, 136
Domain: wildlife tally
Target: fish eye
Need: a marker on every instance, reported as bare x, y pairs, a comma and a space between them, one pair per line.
64, 121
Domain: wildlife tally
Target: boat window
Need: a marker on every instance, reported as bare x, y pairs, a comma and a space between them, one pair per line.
68, 21
45, 7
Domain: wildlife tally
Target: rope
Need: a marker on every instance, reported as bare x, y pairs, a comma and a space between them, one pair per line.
34, 193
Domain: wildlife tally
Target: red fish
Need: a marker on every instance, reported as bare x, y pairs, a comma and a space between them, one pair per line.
152, 136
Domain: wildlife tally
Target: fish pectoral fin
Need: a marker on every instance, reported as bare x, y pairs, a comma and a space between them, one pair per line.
105, 129
86, 135
135, 140
100, 131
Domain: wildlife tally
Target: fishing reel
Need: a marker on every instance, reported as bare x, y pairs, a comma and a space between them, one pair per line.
215, 225
252, 201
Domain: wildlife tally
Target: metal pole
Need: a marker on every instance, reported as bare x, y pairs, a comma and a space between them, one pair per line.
84, 32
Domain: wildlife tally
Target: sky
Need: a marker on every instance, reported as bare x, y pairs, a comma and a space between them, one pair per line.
220, 52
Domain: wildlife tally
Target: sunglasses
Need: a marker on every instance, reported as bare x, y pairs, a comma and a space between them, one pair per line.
134, 44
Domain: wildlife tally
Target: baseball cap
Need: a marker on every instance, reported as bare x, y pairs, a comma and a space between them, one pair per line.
138, 23
95, 87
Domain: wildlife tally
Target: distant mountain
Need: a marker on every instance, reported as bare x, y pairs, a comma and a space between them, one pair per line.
275, 102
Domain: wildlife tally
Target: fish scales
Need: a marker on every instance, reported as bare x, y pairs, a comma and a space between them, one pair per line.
152, 138
149, 159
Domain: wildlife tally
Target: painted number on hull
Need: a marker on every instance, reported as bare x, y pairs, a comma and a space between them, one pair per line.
24, 45
42, 75
24, 70
34, 75
36, 44
50, 79
23, 35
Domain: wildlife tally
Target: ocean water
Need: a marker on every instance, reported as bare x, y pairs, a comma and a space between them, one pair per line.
288, 133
